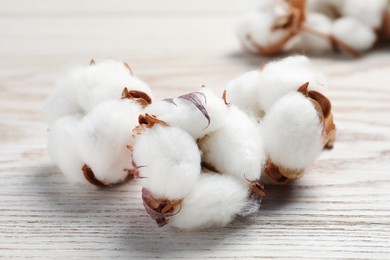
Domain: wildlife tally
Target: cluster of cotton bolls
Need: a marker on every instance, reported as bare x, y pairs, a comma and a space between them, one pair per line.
316, 26
201, 159
90, 116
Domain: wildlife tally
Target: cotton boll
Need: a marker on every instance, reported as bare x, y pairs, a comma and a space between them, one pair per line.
369, 12
63, 148
292, 132
61, 102
242, 92
184, 114
311, 42
103, 81
266, 5
104, 135
169, 161
354, 33
214, 201
281, 77
236, 148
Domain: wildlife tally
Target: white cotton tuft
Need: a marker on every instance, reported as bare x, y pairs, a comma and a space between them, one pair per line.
236, 148
354, 33
214, 201
242, 92
292, 132
105, 132
369, 12
180, 112
169, 161
62, 102
311, 42
63, 147
103, 81
281, 77
85, 87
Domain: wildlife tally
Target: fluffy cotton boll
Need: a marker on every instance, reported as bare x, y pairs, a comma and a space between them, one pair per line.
103, 81
354, 33
104, 135
311, 42
369, 12
236, 148
60, 103
169, 161
214, 201
242, 92
330, 8
257, 28
184, 114
63, 148
281, 77
292, 132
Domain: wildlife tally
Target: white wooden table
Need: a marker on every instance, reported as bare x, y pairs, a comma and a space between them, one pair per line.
340, 209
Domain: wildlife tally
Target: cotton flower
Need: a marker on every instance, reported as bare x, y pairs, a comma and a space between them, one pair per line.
104, 137
91, 116
63, 147
242, 92
295, 131
85, 87
314, 25
214, 201
169, 161
258, 90
236, 148
197, 113
354, 33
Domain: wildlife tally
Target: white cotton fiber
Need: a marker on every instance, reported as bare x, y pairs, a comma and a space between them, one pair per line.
281, 77
85, 87
63, 147
62, 102
103, 81
184, 114
292, 132
242, 92
214, 201
169, 161
309, 41
258, 26
370, 12
104, 135
236, 148
354, 33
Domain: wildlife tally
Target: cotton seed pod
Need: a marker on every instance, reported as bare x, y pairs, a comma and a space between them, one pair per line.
242, 92
267, 31
295, 131
104, 139
85, 87
168, 160
197, 113
214, 201
281, 77
354, 33
63, 147
236, 148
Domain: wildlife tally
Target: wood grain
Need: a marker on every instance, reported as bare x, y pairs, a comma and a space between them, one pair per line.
340, 209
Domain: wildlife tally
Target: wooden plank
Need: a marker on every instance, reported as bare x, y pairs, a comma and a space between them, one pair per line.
340, 209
